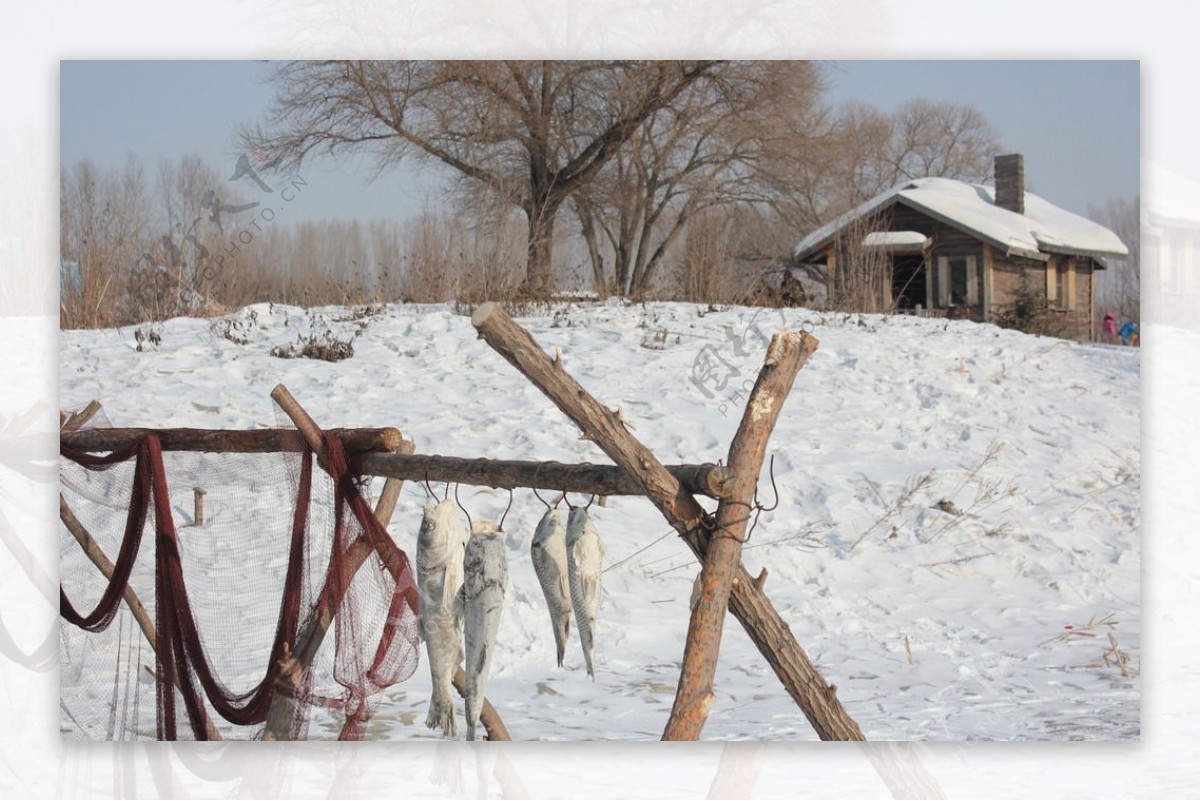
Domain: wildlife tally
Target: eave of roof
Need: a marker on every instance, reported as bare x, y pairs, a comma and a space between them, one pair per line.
970, 208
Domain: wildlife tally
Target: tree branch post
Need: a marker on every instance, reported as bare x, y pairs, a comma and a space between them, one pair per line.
786, 354
768, 631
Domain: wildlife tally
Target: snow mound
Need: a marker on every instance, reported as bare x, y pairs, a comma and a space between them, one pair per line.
956, 545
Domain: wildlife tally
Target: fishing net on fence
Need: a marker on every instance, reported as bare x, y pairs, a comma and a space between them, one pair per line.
199, 632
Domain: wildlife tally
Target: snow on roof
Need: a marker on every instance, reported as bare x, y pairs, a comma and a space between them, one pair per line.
894, 239
971, 208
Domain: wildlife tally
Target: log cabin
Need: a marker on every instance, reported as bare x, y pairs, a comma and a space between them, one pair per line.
947, 248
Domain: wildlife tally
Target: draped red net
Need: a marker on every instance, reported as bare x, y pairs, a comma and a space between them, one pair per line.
233, 639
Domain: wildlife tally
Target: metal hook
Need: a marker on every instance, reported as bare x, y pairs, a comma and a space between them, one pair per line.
758, 507
540, 498
510, 500
460, 506
774, 489
590, 502
428, 488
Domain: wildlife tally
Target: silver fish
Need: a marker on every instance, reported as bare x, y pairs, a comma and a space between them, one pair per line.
549, 554
441, 544
485, 581
584, 554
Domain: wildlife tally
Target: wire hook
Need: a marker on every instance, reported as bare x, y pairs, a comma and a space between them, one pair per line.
774, 489
510, 502
460, 506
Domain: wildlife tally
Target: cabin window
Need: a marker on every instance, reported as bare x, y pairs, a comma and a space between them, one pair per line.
1060, 284
958, 281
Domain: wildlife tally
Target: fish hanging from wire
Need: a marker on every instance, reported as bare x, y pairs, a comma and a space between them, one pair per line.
584, 555
485, 582
548, 552
441, 546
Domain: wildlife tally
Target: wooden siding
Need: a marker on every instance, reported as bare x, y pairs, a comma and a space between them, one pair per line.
996, 277
1078, 322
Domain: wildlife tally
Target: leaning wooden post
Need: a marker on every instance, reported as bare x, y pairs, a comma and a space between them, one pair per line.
786, 354
96, 554
770, 634
279, 718
299, 662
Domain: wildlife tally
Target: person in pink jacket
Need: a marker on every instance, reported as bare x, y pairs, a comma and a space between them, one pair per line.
1110, 327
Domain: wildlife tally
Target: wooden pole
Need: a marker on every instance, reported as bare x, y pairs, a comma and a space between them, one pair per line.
262, 440
598, 423
749, 604
786, 354
198, 507
96, 554
488, 716
279, 719
79, 419
603, 480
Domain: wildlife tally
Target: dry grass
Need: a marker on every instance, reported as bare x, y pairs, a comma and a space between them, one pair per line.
892, 508
1112, 655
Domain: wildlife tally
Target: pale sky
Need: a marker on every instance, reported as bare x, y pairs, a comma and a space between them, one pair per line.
1076, 122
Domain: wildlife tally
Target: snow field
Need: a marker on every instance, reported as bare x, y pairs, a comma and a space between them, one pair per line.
953, 497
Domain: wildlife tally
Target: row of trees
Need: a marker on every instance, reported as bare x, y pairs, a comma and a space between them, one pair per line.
634, 151
137, 248
627, 177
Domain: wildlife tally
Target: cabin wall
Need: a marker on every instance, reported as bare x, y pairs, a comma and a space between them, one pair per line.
1076, 323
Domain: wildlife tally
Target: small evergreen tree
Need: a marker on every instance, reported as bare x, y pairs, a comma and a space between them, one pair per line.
1030, 312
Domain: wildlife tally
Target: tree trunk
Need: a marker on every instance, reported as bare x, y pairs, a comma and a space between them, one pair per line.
587, 227
539, 274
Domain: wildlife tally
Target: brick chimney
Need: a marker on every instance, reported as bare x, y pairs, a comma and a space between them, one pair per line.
1010, 182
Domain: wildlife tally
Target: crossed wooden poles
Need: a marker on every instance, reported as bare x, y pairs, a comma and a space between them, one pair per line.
716, 539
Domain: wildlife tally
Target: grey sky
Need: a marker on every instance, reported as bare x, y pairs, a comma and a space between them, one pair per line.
1076, 122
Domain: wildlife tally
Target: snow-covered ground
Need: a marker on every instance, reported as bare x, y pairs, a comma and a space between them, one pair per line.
957, 544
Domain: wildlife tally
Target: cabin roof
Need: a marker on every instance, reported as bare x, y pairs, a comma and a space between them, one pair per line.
1043, 228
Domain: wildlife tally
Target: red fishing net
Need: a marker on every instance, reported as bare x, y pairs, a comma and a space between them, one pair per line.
232, 636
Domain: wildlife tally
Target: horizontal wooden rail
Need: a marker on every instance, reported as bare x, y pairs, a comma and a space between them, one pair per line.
699, 479
261, 440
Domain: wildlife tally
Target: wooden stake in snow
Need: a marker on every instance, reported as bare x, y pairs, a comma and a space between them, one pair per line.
198, 507
750, 606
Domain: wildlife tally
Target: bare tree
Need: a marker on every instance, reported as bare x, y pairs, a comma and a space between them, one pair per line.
1119, 288
941, 139
862, 151
532, 132
703, 151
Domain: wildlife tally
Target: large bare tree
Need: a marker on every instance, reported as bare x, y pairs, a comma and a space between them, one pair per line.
704, 150
534, 132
